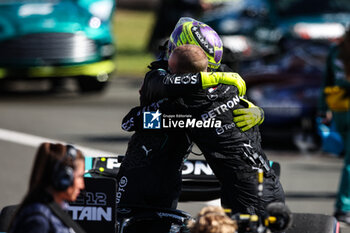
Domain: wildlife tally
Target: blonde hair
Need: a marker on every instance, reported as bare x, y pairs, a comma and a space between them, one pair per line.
213, 219
188, 58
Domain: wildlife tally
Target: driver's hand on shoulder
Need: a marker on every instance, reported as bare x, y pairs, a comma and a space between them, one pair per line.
246, 118
210, 79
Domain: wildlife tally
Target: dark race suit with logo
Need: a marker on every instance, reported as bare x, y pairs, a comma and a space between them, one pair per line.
150, 174
233, 155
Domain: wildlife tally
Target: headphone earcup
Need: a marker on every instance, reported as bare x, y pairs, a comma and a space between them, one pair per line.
63, 178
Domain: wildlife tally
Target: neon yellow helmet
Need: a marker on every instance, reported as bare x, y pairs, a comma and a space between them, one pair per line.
190, 31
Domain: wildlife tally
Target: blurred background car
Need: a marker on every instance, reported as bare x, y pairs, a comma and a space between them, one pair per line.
280, 48
57, 39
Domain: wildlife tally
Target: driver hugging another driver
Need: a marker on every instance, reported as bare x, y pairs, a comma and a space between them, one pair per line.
151, 170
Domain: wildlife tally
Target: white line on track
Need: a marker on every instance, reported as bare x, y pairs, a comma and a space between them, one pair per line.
35, 141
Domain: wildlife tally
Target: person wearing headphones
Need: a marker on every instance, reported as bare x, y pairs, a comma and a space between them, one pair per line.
56, 178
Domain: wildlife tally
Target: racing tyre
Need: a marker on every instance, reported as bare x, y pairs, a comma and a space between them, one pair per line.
90, 84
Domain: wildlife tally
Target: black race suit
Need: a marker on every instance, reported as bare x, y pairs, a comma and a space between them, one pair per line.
150, 174
233, 155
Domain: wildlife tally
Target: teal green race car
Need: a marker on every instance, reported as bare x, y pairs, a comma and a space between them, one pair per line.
58, 39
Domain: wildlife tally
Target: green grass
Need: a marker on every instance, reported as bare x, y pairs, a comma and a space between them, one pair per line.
132, 30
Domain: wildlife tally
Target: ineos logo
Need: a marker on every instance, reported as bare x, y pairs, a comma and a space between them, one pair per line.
182, 79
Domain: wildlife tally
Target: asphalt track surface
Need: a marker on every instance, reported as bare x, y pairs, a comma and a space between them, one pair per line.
29, 115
